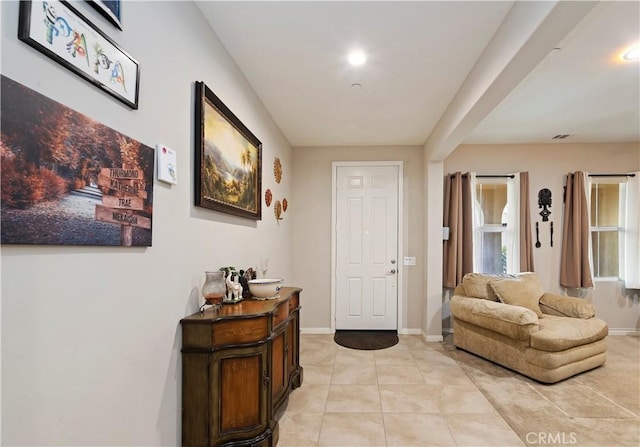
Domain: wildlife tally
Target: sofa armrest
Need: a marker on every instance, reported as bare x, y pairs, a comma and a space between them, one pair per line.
513, 321
566, 306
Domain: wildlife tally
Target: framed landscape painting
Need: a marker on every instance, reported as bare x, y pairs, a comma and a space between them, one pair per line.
228, 159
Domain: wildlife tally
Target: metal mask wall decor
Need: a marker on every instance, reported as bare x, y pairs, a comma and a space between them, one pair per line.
544, 202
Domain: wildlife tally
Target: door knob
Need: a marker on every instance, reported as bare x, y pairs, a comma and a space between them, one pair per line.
392, 271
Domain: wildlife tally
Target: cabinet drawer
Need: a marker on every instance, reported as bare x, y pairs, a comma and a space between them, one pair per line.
280, 314
246, 330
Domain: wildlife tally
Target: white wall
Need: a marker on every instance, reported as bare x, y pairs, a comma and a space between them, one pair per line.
547, 165
90, 335
312, 229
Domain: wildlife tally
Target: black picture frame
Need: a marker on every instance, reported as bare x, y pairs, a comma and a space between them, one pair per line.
228, 159
110, 10
59, 31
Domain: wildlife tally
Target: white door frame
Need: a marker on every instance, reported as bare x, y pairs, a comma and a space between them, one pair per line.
334, 216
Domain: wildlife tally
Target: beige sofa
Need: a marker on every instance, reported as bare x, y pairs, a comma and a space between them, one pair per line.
510, 320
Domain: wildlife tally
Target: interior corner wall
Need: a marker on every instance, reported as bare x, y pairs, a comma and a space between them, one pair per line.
90, 335
312, 179
547, 165
432, 318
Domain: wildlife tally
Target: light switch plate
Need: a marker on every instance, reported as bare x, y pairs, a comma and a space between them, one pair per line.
409, 260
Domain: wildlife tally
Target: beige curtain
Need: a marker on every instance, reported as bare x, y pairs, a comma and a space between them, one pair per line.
526, 245
458, 249
575, 267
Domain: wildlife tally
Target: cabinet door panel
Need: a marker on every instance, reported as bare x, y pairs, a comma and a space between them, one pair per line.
240, 395
292, 360
195, 408
279, 376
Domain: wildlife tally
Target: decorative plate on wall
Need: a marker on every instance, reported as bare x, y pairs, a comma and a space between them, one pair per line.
277, 170
268, 197
277, 209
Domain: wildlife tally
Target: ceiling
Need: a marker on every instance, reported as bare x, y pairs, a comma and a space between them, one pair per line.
438, 73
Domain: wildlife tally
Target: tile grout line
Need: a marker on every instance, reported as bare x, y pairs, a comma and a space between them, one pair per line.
444, 416
384, 428
609, 400
489, 400
326, 402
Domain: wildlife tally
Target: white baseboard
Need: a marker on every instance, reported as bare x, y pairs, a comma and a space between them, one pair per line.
316, 330
410, 332
432, 338
435, 338
615, 332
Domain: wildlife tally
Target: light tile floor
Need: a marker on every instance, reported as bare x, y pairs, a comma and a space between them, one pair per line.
411, 394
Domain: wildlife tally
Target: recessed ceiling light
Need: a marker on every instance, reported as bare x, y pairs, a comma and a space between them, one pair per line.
632, 54
357, 58
356, 85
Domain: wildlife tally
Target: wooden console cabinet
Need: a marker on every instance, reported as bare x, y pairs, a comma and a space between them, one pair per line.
238, 367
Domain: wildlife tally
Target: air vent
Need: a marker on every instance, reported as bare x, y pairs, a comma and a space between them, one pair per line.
561, 136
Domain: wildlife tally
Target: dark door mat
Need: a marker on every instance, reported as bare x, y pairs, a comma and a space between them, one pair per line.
366, 340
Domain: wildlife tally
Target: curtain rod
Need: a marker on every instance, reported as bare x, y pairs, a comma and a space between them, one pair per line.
487, 176
612, 175
609, 175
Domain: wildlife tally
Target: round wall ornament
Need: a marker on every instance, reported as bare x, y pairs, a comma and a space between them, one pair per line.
277, 170
277, 209
268, 197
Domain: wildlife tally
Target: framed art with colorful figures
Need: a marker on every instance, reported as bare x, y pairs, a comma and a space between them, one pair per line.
59, 31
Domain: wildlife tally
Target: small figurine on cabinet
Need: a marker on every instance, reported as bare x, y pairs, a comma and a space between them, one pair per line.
234, 288
245, 277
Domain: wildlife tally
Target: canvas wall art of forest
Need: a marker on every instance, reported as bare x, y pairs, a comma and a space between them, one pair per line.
68, 179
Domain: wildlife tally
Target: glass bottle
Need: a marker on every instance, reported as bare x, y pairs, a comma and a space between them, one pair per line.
214, 288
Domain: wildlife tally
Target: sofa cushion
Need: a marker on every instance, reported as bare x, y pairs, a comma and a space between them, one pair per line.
556, 359
524, 290
560, 333
566, 306
476, 285
514, 322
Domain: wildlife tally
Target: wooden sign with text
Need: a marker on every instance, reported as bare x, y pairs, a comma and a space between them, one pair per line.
118, 216
127, 186
130, 191
127, 203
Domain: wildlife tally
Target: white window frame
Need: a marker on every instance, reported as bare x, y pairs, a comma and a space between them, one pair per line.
481, 229
621, 182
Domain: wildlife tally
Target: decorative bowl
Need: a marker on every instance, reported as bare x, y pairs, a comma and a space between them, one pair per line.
265, 288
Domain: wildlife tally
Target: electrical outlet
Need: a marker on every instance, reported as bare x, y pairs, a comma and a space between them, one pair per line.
409, 260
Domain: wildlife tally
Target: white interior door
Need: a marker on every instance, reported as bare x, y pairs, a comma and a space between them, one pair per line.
366, 249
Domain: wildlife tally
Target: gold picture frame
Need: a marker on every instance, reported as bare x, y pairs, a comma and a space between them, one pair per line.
228, 159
